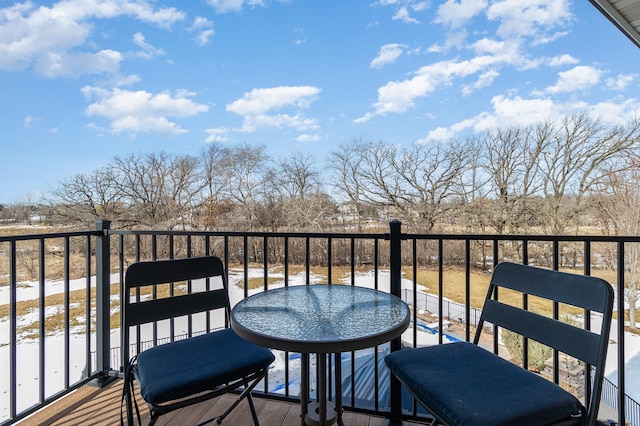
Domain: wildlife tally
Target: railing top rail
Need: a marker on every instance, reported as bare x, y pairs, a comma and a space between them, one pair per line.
25, 237
360, 235
280, 234
528, 237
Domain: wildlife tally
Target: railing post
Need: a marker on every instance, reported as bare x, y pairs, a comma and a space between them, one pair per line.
103, 299
395, 269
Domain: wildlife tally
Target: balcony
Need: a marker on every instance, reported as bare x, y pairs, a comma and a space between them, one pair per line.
60, 298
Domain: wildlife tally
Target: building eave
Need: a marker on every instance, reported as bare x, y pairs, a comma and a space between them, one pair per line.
624, 14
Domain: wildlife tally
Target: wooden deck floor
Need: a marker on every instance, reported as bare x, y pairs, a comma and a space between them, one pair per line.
93, 407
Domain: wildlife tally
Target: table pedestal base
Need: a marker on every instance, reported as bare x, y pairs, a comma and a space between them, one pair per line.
312, 417
321, 412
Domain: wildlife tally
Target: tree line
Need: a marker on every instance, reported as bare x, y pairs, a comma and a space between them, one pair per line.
553, 177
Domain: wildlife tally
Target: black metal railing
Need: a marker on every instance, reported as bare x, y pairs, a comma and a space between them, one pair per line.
610, 397
87, 268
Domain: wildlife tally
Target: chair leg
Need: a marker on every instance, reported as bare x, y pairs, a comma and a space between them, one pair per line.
245, 393
253, 410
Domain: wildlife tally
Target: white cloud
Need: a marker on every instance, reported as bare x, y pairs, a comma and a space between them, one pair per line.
443, 134
405, 9
488, 46
506, 112
388, 54
204, 37
518, 111
224, 6
200, 22
456, 39
578, 78
553, 36
529, 17
403, 14
220, 134
45, 35
455, 14
260, 101
509, 52
140, 111
440, 134
128, 80
561, 60
260, 108
308, 138
252, 123
64, 64
617, 111
400, 96
148, 51
484, 80
203, 29
621, 82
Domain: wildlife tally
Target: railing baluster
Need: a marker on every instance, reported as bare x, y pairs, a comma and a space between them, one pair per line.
307, 266
41, 323
621, 320
415, 293
13, 330
329, 259
440, 286
245, 242
265, 264
495, 294
67, 342
87, 300
525, 305
556, 313
467, 289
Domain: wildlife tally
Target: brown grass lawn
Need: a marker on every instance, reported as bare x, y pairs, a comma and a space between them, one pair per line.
454, 288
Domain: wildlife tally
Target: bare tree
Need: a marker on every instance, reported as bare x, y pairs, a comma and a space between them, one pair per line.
214, 160
298, 176
418, 181
512, 159
244, 168
618, 198
345, 165
83, 198
575, 159
158, 189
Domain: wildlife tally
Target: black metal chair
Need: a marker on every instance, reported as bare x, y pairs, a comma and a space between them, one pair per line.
184, 372
464, 384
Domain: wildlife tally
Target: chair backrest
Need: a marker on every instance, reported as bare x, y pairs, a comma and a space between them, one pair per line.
138, 310
588, 293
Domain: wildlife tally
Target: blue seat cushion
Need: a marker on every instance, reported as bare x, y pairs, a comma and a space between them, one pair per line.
464, 384
186, 367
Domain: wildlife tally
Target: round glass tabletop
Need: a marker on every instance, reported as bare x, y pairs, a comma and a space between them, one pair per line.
320, 318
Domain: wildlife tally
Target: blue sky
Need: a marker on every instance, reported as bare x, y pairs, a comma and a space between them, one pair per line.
82, 81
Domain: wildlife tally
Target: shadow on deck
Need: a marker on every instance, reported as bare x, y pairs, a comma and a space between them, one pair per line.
93, 406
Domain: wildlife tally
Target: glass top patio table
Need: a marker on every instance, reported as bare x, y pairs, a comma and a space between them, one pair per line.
320, 318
